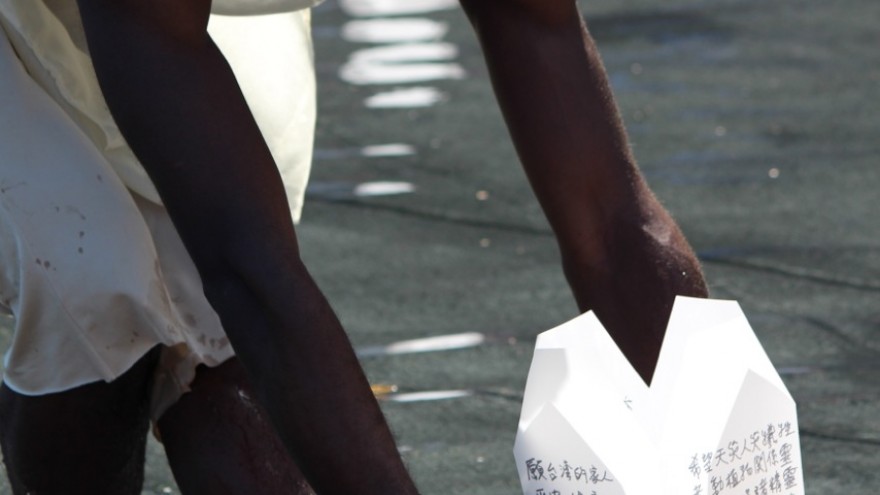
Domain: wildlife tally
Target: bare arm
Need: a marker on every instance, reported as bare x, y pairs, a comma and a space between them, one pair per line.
178, 105
623, 255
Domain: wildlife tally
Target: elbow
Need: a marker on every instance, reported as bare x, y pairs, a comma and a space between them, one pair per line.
248, 267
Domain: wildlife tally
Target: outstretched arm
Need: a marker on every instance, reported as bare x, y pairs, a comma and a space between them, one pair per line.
623, 255
178, 105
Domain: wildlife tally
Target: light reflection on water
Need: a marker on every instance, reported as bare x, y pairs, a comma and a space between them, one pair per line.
432, 395
404, 50
393, 30
401, 63
370, 151
427, 344
383, 188
399, 74
415, 97
409, 52
329, 190
393, 149
369, 8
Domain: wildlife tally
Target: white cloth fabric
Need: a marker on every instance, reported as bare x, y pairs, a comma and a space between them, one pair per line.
259, 7
91, 267
271, 56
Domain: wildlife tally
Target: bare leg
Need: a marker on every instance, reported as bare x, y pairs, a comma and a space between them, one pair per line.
219, 440
623, 255
87, 440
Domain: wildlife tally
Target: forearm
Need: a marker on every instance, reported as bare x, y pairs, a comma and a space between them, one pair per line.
623, 255
558, 105
311, 383
560, 112
178, 105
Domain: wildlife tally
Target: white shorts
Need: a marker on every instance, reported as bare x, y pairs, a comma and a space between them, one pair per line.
91, 268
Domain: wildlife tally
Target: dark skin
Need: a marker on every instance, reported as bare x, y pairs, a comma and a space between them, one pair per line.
90, 449
222, 189
623, 255
219, 441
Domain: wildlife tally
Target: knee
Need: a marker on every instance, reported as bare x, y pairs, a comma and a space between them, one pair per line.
543, 11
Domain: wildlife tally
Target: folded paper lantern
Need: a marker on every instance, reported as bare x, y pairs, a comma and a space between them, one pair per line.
716, 420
